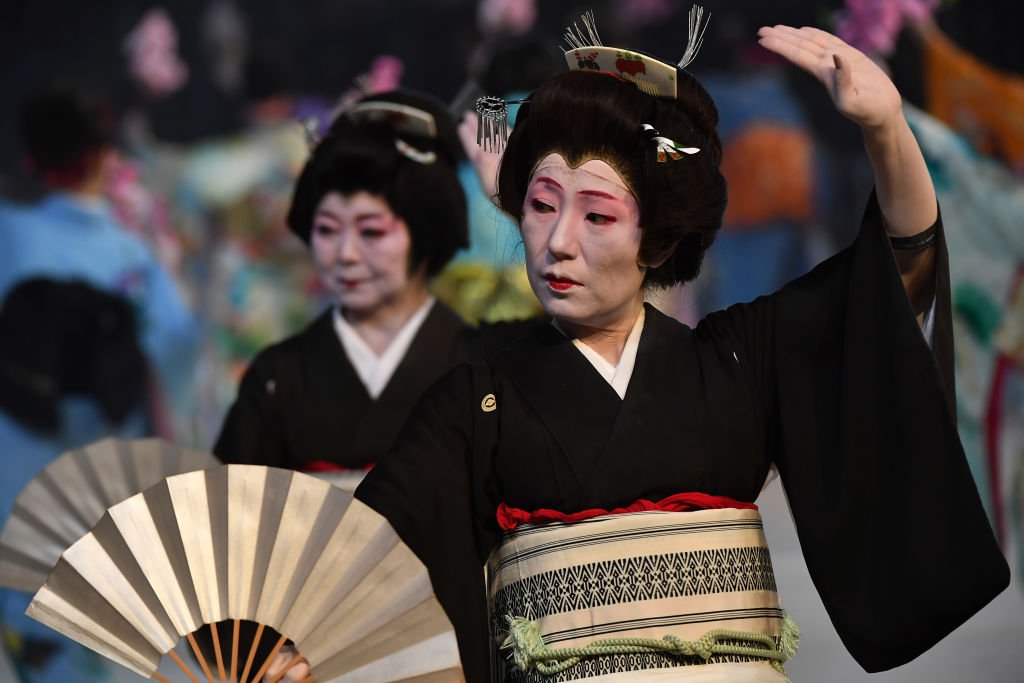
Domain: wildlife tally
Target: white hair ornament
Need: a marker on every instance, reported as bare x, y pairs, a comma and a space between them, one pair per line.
667, 149
586, 53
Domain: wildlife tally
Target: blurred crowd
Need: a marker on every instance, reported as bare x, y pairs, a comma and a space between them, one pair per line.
149, 153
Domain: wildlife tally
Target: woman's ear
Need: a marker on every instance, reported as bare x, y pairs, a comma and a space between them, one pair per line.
658, 257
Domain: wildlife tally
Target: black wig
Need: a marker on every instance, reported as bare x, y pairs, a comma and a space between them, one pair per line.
359, 156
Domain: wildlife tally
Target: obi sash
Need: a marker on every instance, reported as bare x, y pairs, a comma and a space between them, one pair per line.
643, 575
345, 478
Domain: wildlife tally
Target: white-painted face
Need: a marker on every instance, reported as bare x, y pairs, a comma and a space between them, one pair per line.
361, 251
581, 230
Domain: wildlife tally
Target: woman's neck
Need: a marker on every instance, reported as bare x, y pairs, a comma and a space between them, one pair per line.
379, 327
607, 339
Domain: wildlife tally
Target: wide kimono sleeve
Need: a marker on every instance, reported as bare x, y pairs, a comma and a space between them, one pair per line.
252, 431
436, 488
859, 414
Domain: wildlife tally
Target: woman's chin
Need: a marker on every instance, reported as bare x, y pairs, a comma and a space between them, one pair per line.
565, 310
357, 304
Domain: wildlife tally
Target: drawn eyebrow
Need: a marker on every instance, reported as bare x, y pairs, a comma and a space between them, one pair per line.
548, 181
598, 193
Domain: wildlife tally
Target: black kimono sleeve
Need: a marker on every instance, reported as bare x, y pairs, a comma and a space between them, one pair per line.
251, 433
436, 488
860, 420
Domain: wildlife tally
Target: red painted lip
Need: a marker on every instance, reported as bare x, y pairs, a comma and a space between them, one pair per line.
559, 283
350, 284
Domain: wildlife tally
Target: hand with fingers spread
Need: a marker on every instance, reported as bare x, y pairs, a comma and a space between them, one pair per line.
860, 89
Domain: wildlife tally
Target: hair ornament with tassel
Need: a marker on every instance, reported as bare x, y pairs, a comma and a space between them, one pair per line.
586, 52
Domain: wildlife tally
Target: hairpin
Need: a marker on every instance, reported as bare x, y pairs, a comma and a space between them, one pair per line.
694, 35
417, 155
492, 120
649, 75
400, 117
586, 53
667, 149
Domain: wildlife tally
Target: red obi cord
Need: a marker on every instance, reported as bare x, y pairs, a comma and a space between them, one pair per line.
328, 466
509, 517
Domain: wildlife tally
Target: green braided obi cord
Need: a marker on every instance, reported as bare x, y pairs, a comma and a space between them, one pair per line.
646, 596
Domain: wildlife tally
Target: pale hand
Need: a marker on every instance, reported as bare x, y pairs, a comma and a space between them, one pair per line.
484, 163
298, 672
860, 90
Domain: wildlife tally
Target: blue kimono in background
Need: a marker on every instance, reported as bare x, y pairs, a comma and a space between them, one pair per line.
66, 238
760, 248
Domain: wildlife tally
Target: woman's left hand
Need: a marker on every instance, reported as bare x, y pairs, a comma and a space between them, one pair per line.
860, 89
485, 163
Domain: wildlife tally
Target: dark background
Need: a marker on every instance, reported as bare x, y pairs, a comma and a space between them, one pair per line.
318, 46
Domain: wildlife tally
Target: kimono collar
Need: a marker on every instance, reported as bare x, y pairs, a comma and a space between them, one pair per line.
376, 371
617, 376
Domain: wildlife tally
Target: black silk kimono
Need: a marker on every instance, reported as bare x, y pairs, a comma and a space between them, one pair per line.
830, 379
301, 400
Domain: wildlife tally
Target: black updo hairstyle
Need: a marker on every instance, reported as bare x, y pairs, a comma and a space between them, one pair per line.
358, 156
589, 115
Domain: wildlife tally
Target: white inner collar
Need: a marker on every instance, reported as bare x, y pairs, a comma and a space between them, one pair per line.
375, 371
617, 376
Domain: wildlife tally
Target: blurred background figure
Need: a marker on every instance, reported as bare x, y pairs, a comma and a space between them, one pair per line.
381, 212
71, 372
72, 233
96, 339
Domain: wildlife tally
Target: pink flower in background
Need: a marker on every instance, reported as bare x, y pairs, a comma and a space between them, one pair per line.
873, 25
144, 213
506, 16
152, 50
385, 74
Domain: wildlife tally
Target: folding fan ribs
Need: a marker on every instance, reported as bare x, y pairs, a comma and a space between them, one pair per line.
69, 496
241, 542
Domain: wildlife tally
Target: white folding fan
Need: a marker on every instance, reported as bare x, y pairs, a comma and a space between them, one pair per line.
69, 496
243, 542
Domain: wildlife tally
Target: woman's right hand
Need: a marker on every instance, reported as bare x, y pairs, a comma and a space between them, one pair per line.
299, 672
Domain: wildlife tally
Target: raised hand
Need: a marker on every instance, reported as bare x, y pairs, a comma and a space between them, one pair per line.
484, 163
860, 89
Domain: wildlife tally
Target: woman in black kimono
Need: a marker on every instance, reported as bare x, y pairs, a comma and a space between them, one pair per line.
613, 177
381, 207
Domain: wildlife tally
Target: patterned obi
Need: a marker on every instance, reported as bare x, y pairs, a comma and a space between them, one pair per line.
643, 575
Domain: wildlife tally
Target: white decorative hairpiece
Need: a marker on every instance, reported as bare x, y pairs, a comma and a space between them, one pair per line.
586, 53
417, 155
402, 118
695, 36
649, 75
578, 38
667, 149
